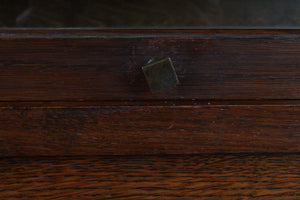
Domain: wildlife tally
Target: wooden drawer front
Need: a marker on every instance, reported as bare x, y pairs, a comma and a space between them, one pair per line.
106, 65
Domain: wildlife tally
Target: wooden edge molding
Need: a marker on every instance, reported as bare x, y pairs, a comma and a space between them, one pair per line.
29, 32
141, 130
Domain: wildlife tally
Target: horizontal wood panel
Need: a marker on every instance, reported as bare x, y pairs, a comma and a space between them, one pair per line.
130, 130
95, 65
228, 177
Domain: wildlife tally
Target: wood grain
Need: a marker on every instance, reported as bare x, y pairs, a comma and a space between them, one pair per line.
228, 177
131, 130
95, 65
89, 97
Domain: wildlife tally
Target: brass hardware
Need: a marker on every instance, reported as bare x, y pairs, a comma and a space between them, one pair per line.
160, 74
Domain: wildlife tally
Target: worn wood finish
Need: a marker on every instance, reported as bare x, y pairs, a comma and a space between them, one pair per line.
228, 177
98, 65
130, 130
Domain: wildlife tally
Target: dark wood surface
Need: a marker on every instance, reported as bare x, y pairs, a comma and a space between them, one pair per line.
101, 65
158, 129
82, 93
208, 177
